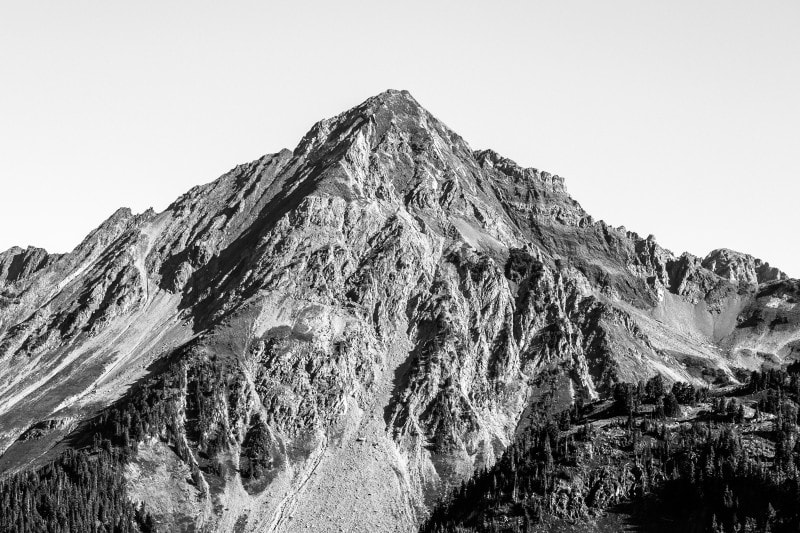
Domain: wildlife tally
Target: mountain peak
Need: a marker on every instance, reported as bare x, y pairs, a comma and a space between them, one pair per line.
740, 267
392, 109
395, 96
394, 102
392, 105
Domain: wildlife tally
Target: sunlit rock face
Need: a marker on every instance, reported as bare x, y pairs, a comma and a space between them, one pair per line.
329, 338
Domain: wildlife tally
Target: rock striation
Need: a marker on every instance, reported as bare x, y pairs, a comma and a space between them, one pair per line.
331, 337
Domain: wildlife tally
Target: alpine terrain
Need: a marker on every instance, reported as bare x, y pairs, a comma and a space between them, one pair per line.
383, 330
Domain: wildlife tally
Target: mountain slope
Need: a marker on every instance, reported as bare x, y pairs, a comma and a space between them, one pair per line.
358, 324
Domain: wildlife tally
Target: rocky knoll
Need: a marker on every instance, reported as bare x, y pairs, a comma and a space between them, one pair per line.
328, 338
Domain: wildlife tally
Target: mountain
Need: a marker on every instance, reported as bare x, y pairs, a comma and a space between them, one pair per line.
331, 338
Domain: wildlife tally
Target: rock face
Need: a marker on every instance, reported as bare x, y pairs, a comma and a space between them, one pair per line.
330, 337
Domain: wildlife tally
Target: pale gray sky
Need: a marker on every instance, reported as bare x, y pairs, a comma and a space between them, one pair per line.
676, 118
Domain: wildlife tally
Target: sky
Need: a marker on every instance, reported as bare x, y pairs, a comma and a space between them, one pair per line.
679, 119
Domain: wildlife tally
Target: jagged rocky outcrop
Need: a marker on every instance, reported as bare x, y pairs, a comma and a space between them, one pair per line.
741, 268
331, 337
